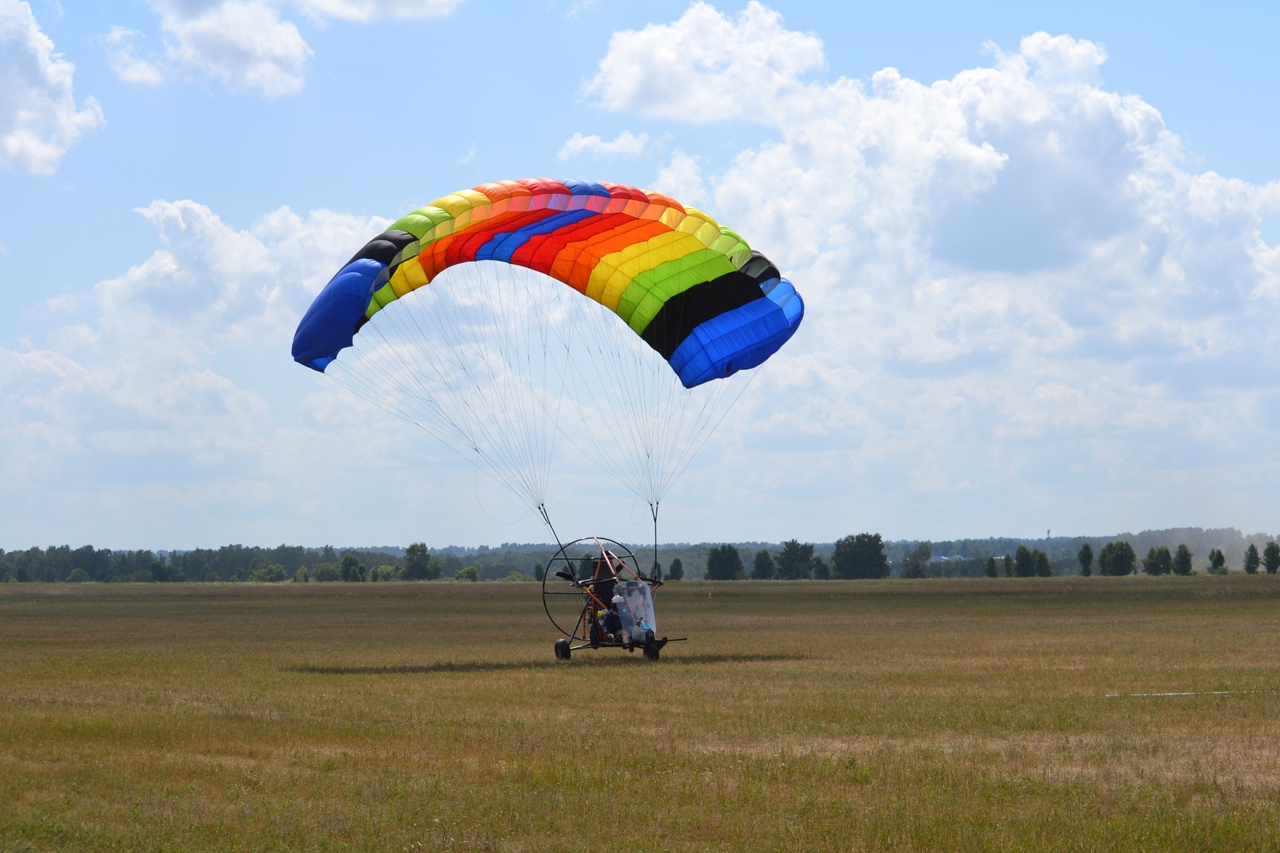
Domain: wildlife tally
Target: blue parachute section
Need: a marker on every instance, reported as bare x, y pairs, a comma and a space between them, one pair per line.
331, 322
739, 339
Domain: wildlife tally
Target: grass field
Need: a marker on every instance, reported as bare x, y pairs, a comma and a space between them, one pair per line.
895, 715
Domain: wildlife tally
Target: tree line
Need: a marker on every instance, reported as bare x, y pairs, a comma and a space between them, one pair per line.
230, 563
1119, 558
864, 555
860, 556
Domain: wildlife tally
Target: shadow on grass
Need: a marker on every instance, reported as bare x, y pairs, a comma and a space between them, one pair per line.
581, 659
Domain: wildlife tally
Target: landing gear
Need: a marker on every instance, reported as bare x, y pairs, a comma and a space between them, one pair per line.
563, 650
653, 647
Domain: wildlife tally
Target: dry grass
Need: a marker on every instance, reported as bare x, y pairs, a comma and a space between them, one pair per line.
957, 715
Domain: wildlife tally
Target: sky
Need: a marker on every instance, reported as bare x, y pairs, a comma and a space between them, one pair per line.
1037, 243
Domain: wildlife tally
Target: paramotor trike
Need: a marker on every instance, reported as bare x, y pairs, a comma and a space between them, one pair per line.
599, 599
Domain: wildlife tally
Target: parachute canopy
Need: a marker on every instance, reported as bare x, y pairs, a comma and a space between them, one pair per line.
693, 290
597, 313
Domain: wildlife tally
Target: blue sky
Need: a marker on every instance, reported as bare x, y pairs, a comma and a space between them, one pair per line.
1037, 242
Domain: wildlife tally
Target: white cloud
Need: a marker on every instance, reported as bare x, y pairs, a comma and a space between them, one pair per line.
682, 178
249, 45
156, 376
577, 7
122, 61
705, 67
39, 119
246, 45
1058, 59
625, 144
374, 10
1012, 268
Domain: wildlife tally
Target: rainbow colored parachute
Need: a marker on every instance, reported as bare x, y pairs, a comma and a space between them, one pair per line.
501, 360
691, 289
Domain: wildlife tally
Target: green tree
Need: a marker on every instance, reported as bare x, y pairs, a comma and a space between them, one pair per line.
1117, 559
77, 576
267, 573
1008, 565
326, 573
993, 571
1217, 562
30, 569
860, 557
762, 568
1023, 564
1158, 561
469, 573
352, 569
915, 564
1085, 556
724, 563
418, 565
1271, 557
1041, 566
539, 572
57, 562
301, 575
676, 572
1252, 560
821, 571
1182, 561
796, 561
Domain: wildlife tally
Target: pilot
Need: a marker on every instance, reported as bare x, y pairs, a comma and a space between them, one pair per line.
625, 623
612, 622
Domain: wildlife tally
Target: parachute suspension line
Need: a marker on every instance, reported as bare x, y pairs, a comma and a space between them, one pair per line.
635, 420
499, 362
470, 358
412, 381
542, 510
632, 393
653, 510
712, 420
380, 389
361, 390
418, 382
